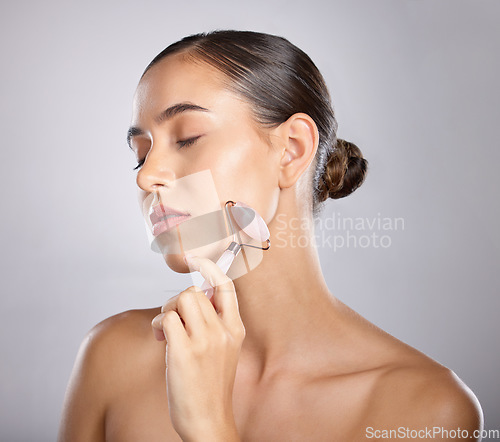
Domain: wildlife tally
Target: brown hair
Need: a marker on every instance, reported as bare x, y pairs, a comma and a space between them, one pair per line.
278, 80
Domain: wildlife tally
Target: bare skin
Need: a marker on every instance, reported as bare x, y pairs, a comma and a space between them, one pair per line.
310, 368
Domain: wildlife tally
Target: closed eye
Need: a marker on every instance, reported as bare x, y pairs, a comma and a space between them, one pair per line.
188, 142
182, 143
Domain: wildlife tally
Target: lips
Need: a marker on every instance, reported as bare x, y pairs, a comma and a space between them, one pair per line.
164, 218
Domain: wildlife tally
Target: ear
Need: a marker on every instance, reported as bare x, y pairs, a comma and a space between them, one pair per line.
299, 142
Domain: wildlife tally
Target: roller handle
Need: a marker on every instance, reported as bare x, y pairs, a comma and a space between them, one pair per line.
224, 262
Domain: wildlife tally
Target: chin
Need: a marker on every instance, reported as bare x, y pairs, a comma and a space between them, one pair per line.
176, 262
211, 251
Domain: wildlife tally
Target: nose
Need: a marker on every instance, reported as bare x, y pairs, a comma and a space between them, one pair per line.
155, 173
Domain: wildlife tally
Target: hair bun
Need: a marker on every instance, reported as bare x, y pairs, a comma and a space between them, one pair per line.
345, 171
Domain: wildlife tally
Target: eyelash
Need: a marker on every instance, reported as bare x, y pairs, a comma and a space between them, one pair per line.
183, 143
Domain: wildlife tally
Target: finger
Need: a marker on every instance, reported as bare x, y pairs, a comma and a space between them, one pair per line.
208, 309
186, 304
171, 303
225, 300
157, 326
174, 331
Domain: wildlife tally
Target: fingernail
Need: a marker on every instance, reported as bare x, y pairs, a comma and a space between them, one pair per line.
158, 334
157, 320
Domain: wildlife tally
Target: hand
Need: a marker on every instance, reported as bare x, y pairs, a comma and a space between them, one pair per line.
204, 339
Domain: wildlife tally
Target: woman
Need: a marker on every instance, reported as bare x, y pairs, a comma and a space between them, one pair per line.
273, 355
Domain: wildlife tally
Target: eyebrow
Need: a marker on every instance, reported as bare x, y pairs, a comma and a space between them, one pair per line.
167, 114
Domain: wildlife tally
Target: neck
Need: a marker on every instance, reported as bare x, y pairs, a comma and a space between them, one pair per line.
284, 301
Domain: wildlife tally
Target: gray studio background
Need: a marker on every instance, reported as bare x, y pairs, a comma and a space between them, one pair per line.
414, 84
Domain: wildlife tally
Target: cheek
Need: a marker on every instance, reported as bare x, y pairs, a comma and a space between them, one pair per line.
245, 174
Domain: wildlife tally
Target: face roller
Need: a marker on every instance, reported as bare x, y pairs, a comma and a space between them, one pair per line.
250, 222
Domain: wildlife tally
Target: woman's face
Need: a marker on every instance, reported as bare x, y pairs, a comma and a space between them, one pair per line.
200, 148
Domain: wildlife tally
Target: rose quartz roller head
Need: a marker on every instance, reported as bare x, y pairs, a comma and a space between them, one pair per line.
250, 222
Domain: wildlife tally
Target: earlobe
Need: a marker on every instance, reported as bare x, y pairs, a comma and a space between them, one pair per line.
300, 137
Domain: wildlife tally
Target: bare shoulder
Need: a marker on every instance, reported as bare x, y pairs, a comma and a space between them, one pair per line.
131, 324
424, 394
405, 388
120, 335
113, 353
121, 346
